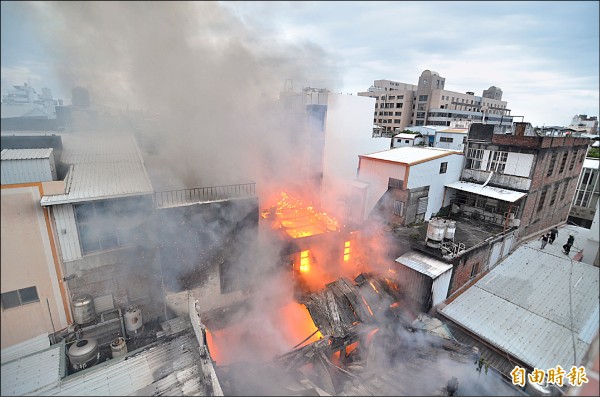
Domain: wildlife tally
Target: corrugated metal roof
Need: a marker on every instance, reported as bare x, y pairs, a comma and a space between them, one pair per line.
35, 373
456, 130
410, 155
25, 348
85, 182
488, 191
26, 154
522, 306
101, 167
170, 367
424, 264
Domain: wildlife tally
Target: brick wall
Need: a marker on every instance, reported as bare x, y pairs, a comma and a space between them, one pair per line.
461, 274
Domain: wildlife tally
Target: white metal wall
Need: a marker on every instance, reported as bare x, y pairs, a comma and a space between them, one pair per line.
428, 174
440, 287
456, 144
377, 173
28, 170
495, 254
507, 245
68, 238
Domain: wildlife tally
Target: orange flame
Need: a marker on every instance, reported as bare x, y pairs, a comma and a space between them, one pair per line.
346, 251
304, 262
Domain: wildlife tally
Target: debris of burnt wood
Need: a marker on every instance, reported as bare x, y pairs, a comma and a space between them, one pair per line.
364, 338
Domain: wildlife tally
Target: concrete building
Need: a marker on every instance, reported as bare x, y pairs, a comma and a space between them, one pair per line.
585, 124
536, 176
451, 138
334, 130
34, 295
408, 181
585, 200
430, 103
404, 140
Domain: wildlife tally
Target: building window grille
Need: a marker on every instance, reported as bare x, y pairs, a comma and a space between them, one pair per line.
572, 163
563, 163
19, 297
443, 167
398, 208
497, 161
564, 191
552, 163
474, 157
446, 139
541, 202
554, 194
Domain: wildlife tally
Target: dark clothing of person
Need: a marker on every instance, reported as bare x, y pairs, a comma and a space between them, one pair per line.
545, 239
553, 234
570, 240
567, 248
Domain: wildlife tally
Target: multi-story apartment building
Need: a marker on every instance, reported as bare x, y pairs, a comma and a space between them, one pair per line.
428, 103
533, 176
586, 196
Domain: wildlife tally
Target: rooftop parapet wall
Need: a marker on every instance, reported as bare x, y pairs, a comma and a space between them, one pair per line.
538, 141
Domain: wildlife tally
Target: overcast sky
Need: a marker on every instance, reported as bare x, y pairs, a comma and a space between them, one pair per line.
543, 55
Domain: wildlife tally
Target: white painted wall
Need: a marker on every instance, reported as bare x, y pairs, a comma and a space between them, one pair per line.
376, 173
348, 133
590, 247
456, 144
66, 229
428, 174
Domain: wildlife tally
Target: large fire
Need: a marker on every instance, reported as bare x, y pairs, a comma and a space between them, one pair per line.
291, 324
299, 220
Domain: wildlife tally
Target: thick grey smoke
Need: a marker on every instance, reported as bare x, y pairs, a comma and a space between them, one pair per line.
205, 78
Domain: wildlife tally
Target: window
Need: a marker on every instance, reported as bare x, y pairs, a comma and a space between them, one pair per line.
446, 139
421, 107
406, 141
398, 114
474, 270
421, 209
572, 163
398, 140
422, 98
392, 97
554, 194
564, 191
443, 167
474, 157
420, 115
400, 97
541, 202
19, 297
581, 157
397, 121
105, 225
552, 163
399, 105
563, 162
497, 161
398, 208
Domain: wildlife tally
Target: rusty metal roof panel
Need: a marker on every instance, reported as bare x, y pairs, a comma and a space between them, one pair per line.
525, 306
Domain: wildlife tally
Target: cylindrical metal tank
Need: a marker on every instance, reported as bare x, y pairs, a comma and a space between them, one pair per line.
83, 354
133, 320
436, 228
118, 347
83, 309
450, 230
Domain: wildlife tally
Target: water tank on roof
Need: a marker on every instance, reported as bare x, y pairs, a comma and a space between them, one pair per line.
450, 230
436, 229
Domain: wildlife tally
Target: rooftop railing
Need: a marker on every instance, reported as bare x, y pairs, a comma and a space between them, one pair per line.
173, 198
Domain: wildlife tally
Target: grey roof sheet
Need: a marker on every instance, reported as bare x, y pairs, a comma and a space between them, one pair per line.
33, 374
102, 168
26, 154
424, 264
25, 348
523, 306
488, 191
